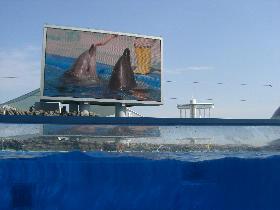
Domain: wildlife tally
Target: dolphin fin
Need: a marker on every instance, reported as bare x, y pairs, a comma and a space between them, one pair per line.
122, 77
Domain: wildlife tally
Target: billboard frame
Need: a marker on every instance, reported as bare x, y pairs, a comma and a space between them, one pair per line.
96, 101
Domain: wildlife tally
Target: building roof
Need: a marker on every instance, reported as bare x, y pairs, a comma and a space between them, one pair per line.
27, 100
276, 114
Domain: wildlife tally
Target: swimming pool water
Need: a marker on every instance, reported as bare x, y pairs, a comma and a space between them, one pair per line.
102, 180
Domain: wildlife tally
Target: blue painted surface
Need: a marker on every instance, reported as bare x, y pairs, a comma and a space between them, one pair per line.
139, 121
105, 181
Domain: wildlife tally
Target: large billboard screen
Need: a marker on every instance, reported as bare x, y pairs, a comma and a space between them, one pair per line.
101, 67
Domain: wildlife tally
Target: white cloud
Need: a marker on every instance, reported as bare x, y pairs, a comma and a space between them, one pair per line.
22, 63
195, 68
189, 68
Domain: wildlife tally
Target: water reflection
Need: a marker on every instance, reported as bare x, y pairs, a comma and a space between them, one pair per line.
138, 138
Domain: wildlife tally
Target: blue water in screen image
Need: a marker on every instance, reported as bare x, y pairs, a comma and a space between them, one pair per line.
100, 180
148, 86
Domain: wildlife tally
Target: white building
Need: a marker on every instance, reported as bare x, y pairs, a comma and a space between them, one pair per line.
196, 110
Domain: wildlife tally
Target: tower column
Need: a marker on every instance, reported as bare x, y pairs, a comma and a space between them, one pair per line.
192, 108
120, 110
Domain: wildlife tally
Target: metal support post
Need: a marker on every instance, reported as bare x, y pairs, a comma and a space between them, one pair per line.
120, 110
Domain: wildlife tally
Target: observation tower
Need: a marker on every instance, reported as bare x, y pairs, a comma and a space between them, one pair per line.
197, 110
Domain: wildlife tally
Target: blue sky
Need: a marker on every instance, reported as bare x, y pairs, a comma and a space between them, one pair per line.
208, 41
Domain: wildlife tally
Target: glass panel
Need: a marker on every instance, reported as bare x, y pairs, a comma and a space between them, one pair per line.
38, 137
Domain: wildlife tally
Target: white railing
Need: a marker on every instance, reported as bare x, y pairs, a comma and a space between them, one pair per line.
131, 113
